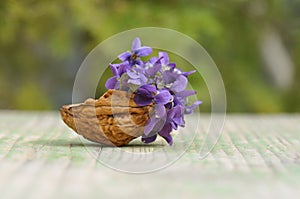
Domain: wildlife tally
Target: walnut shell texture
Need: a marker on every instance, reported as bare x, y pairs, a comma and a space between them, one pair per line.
114, 119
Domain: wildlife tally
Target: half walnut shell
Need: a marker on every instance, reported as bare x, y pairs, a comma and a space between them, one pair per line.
113, 119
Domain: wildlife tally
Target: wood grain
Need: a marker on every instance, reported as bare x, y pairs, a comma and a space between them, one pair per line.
257, 156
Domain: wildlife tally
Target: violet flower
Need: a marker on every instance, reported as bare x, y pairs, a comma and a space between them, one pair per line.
157, 82
118, 70
147, 94
137, 50
165, 61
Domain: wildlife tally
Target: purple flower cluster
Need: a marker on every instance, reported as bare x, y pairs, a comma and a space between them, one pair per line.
156, 81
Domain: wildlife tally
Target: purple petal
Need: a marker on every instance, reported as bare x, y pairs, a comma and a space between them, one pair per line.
149, 88
172, 65
166, 130
197, 103
165, 58
180, 84
111, 83
136, 44
185, 93
150, 125
176, 101
143, 51
123, 67
141, 100
169, 77
132, 74
140, 68
114, 69
125, 85
153, 60
174, 125
138, 61
149, 139
153, 70
163, 97
188, 73
119, 69
190, 109
143, 79
169, 105
124, 56
178, 111
175, 116
135, 81
144, 95
165, 133
160, 110
171, 113
179, 121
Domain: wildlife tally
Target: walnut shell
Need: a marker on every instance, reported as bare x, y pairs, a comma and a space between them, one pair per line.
113, 119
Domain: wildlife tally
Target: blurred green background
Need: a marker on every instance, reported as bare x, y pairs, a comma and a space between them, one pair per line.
255, 44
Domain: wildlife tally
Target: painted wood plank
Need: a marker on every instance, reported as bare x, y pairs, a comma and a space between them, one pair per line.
256, 156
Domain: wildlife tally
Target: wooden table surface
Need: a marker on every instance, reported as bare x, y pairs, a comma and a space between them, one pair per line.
257, 156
